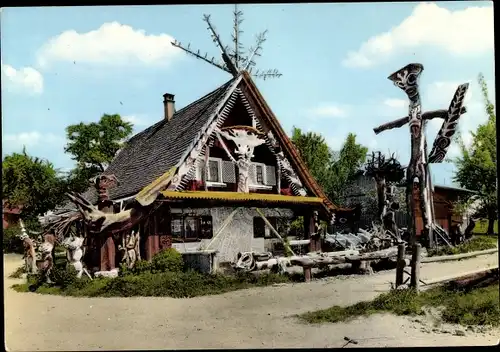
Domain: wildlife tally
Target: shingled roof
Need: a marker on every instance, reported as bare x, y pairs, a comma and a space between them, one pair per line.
149, 153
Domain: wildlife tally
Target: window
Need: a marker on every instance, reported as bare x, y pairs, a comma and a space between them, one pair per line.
262, 176
213, 171
259, 173
191, 228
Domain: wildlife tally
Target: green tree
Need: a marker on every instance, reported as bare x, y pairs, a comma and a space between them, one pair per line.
346, 163
476, 166
95, 144
332, 170
32, 183
317, 156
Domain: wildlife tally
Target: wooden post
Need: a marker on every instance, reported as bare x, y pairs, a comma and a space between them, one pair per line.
309, 230
400, 265
415, 267
307, 273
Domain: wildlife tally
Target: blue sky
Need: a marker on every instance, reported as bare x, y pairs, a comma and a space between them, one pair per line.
64, 65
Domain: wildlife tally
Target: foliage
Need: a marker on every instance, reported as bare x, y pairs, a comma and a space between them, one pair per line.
11, 241
32, 183
332, 170
78, 178
482, 227
476, 243
94, 145
297, 227
477, 307
140, 266
476, 166
168, 260
170, 284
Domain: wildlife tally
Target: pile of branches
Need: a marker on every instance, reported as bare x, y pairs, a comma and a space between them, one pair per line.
64, 225
372, 240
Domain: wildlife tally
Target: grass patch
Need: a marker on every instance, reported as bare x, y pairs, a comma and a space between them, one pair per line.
476, 243
482, 227
18, 274
477, 307
169, 284
163, 276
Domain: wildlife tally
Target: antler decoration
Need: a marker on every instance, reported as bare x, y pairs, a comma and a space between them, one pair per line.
233, 60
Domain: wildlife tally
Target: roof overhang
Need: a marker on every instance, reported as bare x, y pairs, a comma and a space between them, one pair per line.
241, 197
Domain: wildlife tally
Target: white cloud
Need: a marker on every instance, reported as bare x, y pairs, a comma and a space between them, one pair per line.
15, 142
395, 103
136, 120
329, 110
461, 32
112, 43
442, 92
25, 79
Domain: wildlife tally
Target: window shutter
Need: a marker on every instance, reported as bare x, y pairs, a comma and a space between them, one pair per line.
251, 174
199, 170
270, 175
228, 172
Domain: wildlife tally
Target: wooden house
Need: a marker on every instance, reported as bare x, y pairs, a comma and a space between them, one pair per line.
10, 214
205, 206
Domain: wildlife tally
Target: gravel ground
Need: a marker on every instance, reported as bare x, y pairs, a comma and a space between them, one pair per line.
253, 318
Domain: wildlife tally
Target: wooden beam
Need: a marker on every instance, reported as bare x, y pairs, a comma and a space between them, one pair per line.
404, 120
273, 230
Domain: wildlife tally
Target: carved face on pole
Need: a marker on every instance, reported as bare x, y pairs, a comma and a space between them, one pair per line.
407, 79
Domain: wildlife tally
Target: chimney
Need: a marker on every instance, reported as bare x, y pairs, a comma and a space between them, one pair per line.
168, 105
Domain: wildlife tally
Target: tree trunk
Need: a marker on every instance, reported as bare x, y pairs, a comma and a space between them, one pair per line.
491, 222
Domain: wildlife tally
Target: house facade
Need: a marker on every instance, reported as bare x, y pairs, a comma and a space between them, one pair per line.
238, 179
10, 215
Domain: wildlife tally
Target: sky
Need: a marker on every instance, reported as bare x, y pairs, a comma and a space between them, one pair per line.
65, 65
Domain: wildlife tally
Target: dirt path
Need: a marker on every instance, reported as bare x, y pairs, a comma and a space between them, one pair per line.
243, 319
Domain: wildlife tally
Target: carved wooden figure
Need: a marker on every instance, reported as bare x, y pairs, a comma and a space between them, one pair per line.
74, 254
29, 251
130, 247
407, 79
46, 263
246, 139
418, 168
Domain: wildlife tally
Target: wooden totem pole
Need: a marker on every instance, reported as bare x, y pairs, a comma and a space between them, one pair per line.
417, 173
107, 244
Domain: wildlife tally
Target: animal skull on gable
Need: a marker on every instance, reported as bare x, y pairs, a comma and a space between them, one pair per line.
245, 138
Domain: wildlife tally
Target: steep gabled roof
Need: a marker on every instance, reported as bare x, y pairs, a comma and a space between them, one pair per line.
158, 148
289, 148
149, 153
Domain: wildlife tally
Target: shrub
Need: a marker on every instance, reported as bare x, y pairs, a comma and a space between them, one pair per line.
168, 260
11, 241
63, 277
140, 267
